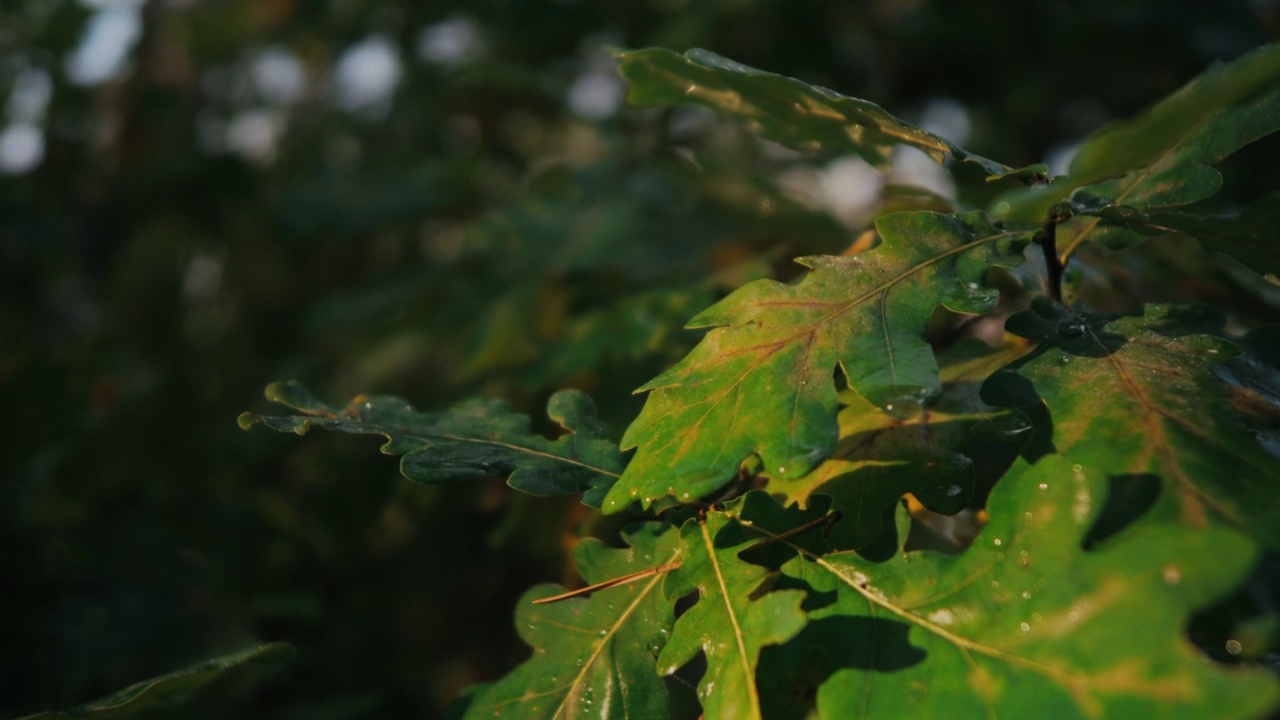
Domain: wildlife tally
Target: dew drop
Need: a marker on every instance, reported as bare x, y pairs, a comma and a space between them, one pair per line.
995, 583
998, 542
1234, 647
1026, 627
781, 470
889, 407
685, 496
1077, 468
943, 617
1044, 486
1036, 616
1171, 575
1026, 594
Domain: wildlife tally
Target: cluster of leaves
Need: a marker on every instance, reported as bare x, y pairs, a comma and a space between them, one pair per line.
1079, 482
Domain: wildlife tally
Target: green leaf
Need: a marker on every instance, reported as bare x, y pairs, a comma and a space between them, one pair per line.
593, 656
761, 382
1132, 394
733, 618
1024, 623
1162, 158
802, 116
880, 457
477, 438
176, 687
1248, 236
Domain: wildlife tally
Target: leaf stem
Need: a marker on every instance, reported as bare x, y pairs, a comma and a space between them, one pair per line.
1047, 239
623, 580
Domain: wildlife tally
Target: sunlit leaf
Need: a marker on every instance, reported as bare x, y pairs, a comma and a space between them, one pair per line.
1024, 623
803, 116
881, 457
761, 382
733, 618
1134, 394
593, 657
176, 687
477, 438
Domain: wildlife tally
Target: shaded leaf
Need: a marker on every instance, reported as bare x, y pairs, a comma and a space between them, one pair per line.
176, 687
762, 383
1172, 268
593, 656
1248, 236
1134, 394
805, 117
1025, 621
729, 623
1162, 158
477, 438
880, 457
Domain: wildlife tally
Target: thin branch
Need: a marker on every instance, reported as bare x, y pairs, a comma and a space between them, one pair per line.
623, 580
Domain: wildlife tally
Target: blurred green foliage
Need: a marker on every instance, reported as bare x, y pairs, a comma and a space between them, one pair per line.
231, 207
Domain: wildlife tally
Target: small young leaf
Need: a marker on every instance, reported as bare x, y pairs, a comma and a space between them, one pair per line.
1126, 398
762, 381
592, 656
176, 687
803, 116
728, 624
477, 438
1024, 620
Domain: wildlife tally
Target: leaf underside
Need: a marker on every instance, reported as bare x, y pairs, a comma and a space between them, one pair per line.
805, 117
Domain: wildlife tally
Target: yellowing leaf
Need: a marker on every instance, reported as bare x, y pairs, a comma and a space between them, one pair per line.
761, 382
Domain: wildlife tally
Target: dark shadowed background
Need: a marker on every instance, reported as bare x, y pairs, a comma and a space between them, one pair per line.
434, 200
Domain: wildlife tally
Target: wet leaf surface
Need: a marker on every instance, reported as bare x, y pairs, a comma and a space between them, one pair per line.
593, 657
1139, 394
761, 381
733, 618
880, 457
1023, 621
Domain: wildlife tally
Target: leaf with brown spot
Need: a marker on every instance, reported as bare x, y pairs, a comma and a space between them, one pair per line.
761, 381
1024, 624
1129, 394
880, 457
